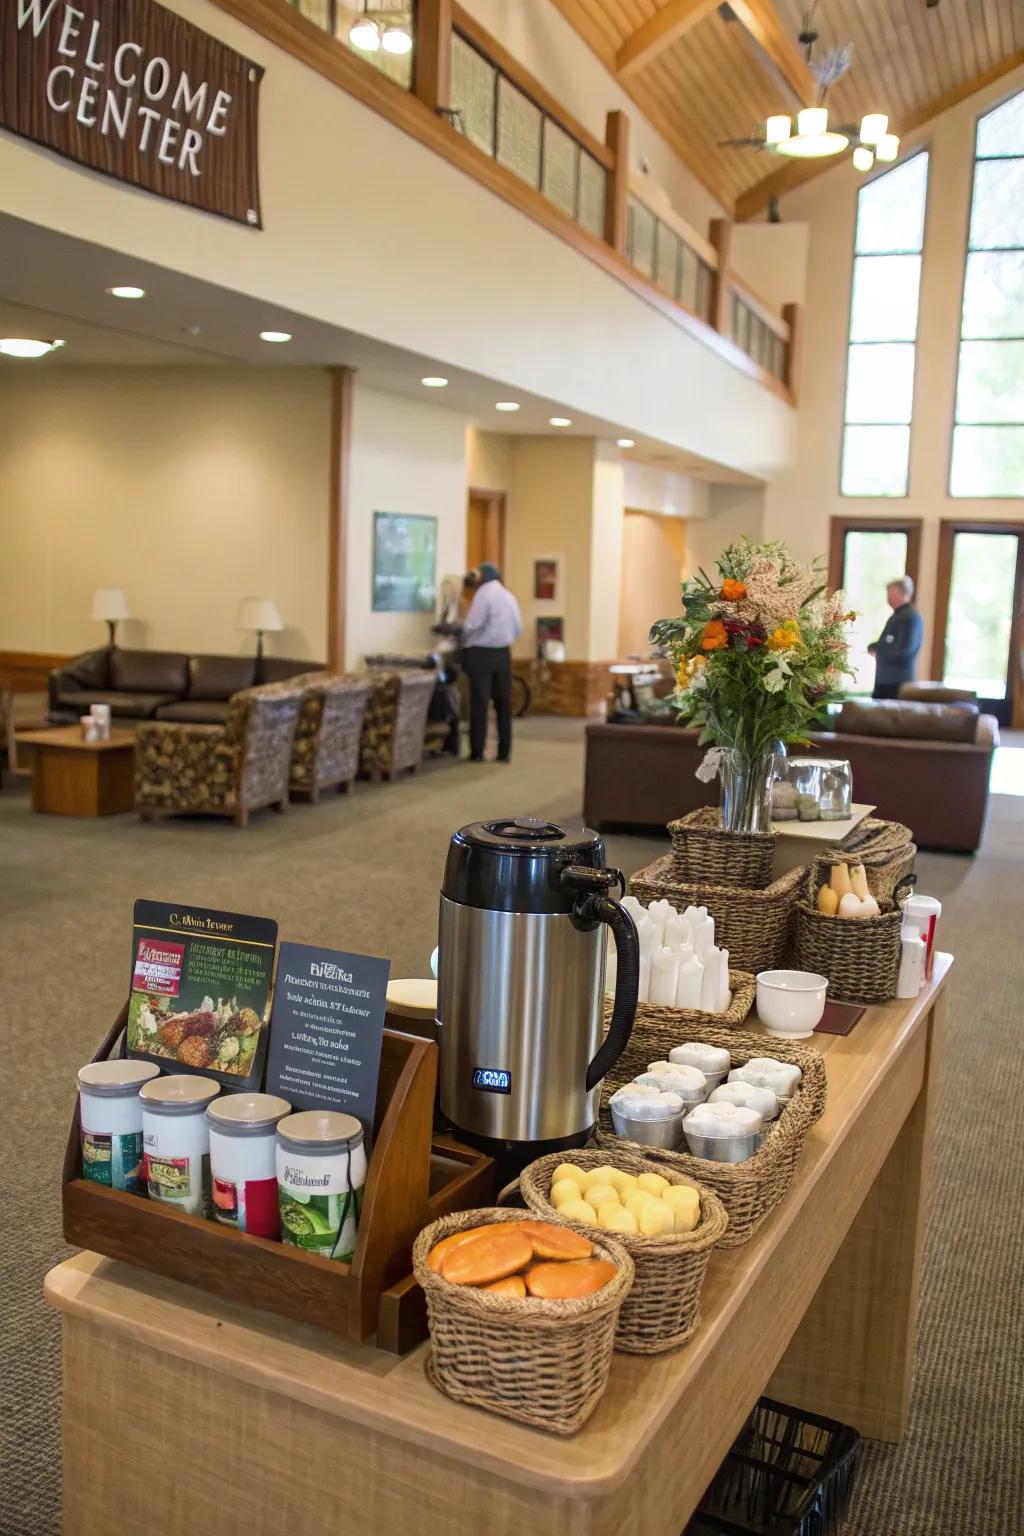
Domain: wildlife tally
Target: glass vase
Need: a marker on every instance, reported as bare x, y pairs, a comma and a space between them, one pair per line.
746, 779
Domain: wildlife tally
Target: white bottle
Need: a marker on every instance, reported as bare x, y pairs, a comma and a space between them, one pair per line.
709, 982
644, 983
677, 932
664, 976
688, 981
912, 961
660, 913
703, 935
724, 995
611, 966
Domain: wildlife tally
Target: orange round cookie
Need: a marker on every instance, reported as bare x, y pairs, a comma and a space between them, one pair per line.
439, 1251
490, 1254
512, 1285
568, 1281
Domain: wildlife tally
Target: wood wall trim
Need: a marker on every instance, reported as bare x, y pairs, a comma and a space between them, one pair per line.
432, 58
761, 20
795, 174
337, 513
287, 29
794, 318
616, 208
29, 671
721, 280
839, 527
471, 29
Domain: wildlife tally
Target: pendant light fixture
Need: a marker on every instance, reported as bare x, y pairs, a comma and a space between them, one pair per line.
364, 33
396, 38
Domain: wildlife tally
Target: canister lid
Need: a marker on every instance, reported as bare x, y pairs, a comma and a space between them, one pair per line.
116, 1079
514, 864
410, 997
242, 1114
178, 1094
319, 1132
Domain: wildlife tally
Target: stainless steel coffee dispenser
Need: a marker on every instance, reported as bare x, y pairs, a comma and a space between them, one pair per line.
520, 1006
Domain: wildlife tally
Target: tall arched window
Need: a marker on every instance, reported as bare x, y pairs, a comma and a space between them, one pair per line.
883, 331
988, 430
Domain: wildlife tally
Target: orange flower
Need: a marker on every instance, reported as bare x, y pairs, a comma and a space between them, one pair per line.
714, 637
733, 591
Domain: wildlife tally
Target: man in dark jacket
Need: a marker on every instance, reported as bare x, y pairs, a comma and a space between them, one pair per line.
895, 650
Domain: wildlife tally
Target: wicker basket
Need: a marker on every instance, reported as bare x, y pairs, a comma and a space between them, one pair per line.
662, 1310
885, 848
544, 1363
703, 852
754, 926
859, 955
749, 1190
676, 1021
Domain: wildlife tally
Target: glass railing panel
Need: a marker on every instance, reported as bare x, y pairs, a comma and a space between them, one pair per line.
593, 194
473, 88
517, 146
666, 259
558, 171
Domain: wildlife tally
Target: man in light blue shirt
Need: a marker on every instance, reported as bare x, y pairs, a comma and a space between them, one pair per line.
492, 624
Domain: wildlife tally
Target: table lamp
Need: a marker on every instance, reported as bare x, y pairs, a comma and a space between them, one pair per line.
260, 615
109, 604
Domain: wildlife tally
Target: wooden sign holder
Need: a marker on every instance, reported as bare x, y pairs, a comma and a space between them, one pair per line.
413, 1178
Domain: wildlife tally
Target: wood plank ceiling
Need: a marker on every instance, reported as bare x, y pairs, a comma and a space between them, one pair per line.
703, 73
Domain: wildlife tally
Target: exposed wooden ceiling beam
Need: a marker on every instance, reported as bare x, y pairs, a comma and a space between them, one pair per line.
665, 27
761, 20
795, 173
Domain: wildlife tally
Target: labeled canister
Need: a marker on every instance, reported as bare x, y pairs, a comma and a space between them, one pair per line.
176, 1141
321, 1170
243, 1169
110, 1111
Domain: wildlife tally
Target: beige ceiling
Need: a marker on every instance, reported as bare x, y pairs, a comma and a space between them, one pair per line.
717, 71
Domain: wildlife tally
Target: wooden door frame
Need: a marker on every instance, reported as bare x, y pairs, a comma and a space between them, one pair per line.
839, 527
495, 503
949, 527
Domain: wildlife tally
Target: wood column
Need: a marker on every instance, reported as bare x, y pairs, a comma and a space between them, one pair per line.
793, 316
432, 55
337, 513
616, 136
720, 236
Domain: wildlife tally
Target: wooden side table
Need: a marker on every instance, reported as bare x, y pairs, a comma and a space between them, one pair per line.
72, 777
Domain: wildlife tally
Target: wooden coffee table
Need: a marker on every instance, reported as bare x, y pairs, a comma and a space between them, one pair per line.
72, 777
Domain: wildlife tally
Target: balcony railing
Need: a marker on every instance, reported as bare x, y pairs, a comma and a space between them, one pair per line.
462, 94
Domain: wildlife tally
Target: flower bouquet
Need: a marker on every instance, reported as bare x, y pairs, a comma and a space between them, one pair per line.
759, 653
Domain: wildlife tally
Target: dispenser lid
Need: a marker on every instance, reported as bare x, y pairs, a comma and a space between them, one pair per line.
514, 864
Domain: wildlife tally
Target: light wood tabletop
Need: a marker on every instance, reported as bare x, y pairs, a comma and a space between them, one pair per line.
820, 1307
69, 738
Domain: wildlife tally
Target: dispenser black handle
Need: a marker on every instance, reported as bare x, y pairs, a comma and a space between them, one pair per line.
594, 905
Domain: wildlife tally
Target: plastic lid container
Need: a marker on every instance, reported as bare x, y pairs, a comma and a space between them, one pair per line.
246, 1114
179, 1094
319, 1132
637, 1106
709, 1059
121, 1079
688, 1082
749, 1096
714, 1120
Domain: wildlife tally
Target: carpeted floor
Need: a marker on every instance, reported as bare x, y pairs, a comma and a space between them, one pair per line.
362, 873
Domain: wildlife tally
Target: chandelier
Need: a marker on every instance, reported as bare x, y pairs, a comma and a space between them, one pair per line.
810, 135
387, 29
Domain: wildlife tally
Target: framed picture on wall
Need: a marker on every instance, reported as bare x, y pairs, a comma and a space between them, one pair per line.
545, 579
404, 563
550, 638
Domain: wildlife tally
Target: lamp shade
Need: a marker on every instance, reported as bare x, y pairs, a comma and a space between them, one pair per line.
259, 613
109, 603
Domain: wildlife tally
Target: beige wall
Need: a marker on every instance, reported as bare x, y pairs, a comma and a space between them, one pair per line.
489, 457
188, 488
801, 502
409, 458
653, 559
548, 514
490, 287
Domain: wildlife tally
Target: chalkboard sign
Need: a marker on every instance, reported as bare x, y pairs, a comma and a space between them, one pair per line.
328, 1027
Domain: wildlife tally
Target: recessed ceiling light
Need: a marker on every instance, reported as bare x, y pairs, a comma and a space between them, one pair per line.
434, 381
625, 442
25, 346
275, 335
559, 421
506, 405
126, 291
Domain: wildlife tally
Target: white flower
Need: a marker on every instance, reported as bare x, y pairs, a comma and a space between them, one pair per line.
708, 769
697, 681
775, 680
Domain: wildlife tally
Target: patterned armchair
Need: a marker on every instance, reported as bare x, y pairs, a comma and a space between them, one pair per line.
326, 747
396, 722
221, 770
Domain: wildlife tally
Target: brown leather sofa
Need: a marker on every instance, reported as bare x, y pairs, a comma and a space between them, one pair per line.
161, 685
926, 765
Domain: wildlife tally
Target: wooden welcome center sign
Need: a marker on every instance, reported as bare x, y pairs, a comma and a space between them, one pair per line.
128, 88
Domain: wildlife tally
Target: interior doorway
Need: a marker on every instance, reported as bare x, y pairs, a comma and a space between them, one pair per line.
653, 559
485, 529
979, 627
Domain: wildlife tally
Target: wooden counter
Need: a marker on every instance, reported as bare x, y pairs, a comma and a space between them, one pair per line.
218, 1419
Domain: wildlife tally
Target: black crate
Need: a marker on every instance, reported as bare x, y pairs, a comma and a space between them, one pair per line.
788, 1474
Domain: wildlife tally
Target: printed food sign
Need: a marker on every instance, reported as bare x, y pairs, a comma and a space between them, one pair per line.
134, 91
